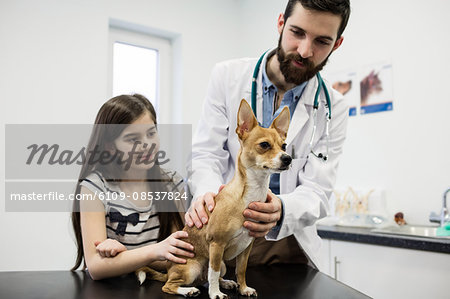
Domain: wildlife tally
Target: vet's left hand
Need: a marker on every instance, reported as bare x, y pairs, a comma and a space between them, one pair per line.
261, 217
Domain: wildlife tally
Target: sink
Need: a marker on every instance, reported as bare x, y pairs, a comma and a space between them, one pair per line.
410, 230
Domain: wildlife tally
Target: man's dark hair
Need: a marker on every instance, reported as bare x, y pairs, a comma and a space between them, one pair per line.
337, 7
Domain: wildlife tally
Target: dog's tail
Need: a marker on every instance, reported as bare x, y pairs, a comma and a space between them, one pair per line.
141, 274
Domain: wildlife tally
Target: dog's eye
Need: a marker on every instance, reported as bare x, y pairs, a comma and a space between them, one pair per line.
264, 145
283, 147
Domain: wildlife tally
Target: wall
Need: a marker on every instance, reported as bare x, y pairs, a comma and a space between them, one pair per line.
402, 151
54, 70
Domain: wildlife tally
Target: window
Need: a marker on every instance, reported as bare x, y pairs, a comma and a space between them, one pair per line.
135, 70
141, 63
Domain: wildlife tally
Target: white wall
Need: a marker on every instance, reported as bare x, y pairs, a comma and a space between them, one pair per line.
54, 70
404, 151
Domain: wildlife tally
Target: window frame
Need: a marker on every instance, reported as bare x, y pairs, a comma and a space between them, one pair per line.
163, 105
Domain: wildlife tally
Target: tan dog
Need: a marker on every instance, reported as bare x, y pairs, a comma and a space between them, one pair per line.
224, 237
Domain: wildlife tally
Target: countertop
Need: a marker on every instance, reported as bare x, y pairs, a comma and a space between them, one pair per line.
281, 281
364, 235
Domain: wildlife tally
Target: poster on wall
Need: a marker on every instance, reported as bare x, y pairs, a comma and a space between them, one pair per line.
347, 84
376, 93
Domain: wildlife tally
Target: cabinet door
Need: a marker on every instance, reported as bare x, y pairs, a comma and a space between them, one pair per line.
388, 272
325, 258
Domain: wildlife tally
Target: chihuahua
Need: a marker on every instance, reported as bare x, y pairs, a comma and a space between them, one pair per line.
224, 237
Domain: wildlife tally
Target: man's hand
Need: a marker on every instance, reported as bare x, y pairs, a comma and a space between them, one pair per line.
197, 213
261, 217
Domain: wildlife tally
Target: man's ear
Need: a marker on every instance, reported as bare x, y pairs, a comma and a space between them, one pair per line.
338, 43
280, 23
281, 123
246, 121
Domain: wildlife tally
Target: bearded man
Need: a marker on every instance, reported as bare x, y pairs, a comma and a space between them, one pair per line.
310, 31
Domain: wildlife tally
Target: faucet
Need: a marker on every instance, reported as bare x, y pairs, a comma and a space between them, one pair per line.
444, 216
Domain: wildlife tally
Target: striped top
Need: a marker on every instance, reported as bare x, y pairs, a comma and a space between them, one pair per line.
131, 225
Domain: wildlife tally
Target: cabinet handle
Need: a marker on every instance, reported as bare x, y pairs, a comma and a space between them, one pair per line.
336, 262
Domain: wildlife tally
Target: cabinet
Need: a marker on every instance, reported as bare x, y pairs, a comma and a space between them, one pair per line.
387, 272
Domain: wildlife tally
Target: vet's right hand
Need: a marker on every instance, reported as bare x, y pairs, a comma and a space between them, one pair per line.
172, 246
197, 213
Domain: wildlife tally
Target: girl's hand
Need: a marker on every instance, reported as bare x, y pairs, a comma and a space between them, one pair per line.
109, 247
172, 245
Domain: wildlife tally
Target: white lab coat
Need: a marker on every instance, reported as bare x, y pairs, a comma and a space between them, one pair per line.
307, 185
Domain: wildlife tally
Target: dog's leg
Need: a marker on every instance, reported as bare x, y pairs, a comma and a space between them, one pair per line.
181, 275
225, 283
215, 261
241, 267
141, 274
228, 284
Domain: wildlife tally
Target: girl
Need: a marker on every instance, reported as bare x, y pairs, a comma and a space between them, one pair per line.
123, 144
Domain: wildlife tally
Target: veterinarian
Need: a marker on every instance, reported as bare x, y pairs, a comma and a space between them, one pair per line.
310, 31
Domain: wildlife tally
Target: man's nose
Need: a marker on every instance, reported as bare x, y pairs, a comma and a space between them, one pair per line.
305, 48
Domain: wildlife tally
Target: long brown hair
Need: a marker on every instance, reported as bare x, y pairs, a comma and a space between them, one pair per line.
122, 109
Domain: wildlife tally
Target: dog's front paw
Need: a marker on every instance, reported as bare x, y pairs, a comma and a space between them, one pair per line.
228, 284
217, 295
248, 291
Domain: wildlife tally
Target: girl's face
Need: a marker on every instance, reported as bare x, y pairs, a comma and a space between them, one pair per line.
139, 143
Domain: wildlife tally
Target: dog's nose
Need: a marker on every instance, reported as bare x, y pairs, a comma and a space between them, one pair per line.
286, 160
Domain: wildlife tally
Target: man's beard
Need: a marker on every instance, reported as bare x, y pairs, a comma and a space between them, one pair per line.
293, 74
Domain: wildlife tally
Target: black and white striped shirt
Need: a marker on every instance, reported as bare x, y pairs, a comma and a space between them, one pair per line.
127, 223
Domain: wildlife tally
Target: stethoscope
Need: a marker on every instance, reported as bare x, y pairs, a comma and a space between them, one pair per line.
321, 85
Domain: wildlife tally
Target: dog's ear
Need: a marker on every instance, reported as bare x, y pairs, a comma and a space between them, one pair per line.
281, 123
246, 121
